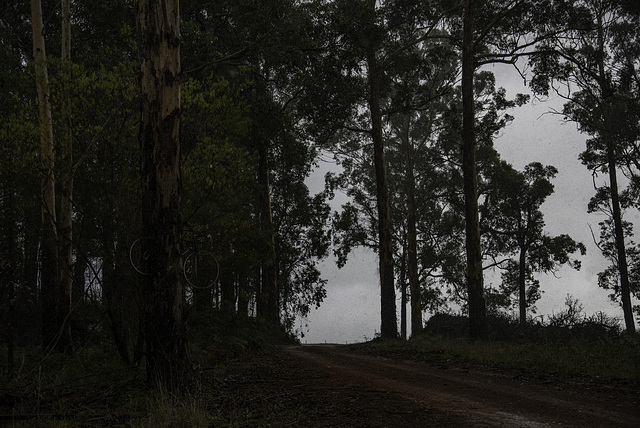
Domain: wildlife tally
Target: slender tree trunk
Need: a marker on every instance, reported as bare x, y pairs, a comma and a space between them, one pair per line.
11, 333
30, 301
66, 187
627, 309
227, 287
608, 132
403, 292
8, 276
49, 248
623, 268
203, 299
158, 23
112, 296
389, 322
79, 271
138, 349
269, 293
412, 239
243, 295
522, 291
475, 287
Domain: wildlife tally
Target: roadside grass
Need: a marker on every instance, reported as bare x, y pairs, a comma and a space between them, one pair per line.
93, 387
598, 359
51, 390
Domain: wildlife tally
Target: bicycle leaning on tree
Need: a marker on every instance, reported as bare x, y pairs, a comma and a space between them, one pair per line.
199, 267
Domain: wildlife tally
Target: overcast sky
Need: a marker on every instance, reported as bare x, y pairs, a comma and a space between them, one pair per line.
351, 311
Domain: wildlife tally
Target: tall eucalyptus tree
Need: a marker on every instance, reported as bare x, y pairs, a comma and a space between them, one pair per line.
67, 171
500, 31
372, 33
167, 359
422, 79
594, 57
512, 216
372, 38
249, 62
49, 253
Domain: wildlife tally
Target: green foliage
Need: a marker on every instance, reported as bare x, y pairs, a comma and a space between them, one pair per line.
217, 167
596, 56
217, 337
93, 386
271, 83
214, 112
19, 135
588, 349
512, 219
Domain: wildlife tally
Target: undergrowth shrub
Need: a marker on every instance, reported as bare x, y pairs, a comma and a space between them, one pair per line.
217, 336
93, 387
569, 343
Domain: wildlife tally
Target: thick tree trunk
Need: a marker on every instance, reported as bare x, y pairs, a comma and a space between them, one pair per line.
389, 322
158, 23
475, 287
49, 249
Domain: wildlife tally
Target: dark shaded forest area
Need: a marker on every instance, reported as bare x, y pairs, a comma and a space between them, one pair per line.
154, 158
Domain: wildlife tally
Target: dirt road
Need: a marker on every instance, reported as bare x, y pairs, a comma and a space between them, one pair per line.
335, 387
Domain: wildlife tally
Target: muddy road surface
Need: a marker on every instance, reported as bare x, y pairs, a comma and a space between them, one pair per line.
325, 385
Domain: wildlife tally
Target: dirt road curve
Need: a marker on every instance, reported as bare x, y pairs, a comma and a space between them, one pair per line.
454, 396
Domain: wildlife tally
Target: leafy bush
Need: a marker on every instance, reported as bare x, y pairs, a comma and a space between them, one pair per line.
569, 343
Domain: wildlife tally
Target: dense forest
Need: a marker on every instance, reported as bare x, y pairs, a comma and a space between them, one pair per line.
155, 155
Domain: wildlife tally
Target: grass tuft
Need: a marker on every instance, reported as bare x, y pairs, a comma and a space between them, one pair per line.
538, 350
93, 387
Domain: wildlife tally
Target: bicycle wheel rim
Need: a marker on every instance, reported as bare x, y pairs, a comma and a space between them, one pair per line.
200, 270
138, 258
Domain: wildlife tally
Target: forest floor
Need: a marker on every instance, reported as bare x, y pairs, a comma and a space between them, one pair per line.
330, 386
335, 386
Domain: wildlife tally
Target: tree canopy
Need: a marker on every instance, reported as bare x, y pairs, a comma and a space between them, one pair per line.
397, 93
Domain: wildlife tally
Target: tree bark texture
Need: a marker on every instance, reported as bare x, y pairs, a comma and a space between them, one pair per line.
475, 287
389, 322
522, 285
8, 276
112, 297
608, 136
269, 279
412, 238
228, 286
623, 268
158, 24
80, 267
403, 292
49, 248
202, 299
243, 294
65, 233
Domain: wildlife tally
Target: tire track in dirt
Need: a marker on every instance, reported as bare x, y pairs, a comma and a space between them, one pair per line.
482, 398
